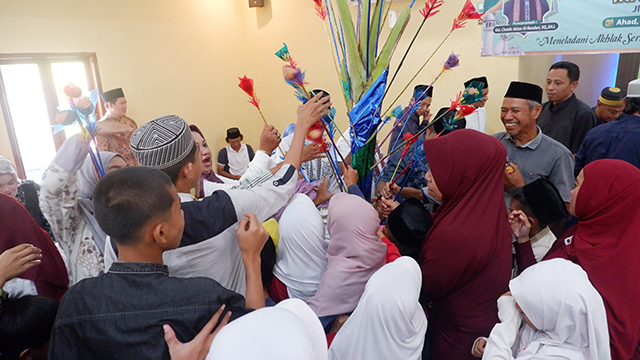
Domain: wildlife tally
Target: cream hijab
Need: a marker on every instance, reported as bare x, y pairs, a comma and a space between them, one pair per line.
559, 300
301, 260
389, 322
288, 331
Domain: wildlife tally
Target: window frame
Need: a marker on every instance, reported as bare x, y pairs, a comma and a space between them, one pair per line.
44, 60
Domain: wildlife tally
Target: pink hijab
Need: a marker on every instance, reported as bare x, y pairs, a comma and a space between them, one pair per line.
355, 252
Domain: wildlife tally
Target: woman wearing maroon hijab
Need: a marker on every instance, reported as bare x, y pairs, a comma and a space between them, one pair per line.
18, 227
606, 243
466, 256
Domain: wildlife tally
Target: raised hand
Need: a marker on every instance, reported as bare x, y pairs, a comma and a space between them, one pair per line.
351, 176
15, 261
269, 139
520, 225
251, 235
322, 194
313, 110
312, 151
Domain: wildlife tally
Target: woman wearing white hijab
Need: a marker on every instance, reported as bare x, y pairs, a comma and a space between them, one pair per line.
288, 331
564, 315
301, 260
388, 322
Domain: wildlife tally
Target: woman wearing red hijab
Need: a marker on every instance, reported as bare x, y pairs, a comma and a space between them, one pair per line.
18, 227
466, 256
606, 243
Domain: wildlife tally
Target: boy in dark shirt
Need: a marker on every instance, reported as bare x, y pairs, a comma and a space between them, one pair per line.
120, 315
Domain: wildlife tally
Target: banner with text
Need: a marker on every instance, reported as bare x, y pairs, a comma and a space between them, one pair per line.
528, 27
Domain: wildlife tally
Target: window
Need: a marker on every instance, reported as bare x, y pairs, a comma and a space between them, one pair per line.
31, 92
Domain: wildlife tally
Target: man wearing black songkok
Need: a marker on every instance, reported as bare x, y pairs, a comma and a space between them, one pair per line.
116, 111
564, 117
530, 153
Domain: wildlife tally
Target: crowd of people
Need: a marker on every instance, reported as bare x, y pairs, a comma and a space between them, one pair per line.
517, 245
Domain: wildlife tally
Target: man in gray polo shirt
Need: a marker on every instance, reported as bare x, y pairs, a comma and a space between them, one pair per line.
530, 153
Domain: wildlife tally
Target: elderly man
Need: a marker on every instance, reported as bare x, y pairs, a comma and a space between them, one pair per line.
116, 106
234, 159
564, 117
616, 139
530, 153
610, 105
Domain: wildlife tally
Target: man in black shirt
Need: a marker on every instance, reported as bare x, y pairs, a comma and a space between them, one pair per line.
564, 117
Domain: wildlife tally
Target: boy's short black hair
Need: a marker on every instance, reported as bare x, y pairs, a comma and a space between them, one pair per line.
407, 225
25, 323
573, 71
128, 199
174, 171
518, 195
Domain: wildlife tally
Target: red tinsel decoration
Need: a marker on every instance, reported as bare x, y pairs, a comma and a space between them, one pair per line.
468, 12
456, 102
320, 10
464, 110
246, 84
430, 8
